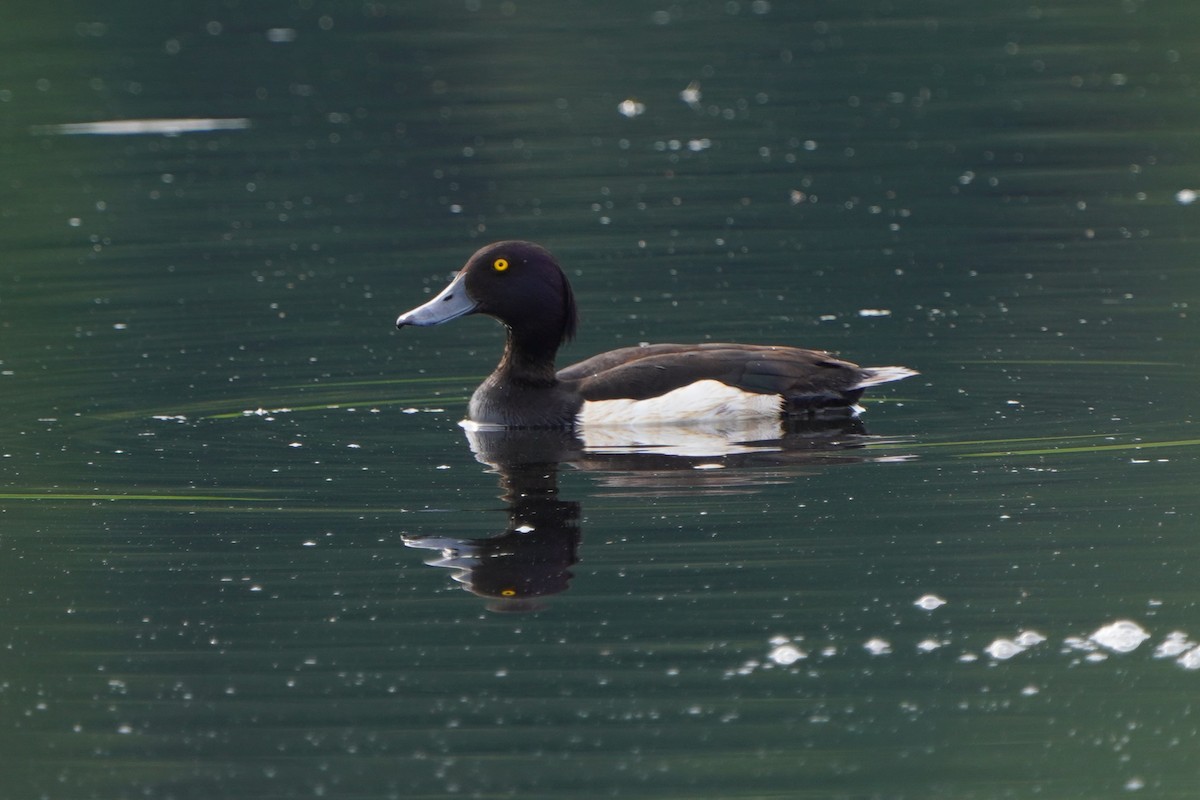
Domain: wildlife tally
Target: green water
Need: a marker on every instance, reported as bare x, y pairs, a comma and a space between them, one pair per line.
223, 474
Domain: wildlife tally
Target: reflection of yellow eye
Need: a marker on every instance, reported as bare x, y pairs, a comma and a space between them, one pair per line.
500, 264
507, 592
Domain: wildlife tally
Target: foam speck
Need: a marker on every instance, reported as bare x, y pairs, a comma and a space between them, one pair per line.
929, 602
786, 654
877, 646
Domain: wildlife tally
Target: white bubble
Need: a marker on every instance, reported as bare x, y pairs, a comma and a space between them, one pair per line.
1122, 636
631, 108
786, 654
929, 602
1190, 659
1185, 197
1029, 638
1176, 643
1003, 649
1076, 644
877, 646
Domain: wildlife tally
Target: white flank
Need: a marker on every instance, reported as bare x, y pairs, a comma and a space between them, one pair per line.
877, 375
707, 438
702, 400
712, 437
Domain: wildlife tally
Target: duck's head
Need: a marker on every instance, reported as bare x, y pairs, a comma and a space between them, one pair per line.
518, 283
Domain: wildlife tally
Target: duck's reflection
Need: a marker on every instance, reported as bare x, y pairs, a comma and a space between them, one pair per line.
534, 555
533, 558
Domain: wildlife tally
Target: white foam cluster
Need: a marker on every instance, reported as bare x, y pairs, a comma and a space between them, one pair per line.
1179, 646
1115, 638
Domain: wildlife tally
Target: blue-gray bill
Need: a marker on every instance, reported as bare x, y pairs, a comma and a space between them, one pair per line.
451, 303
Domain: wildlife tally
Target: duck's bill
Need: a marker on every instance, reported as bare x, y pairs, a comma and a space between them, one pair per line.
451, 303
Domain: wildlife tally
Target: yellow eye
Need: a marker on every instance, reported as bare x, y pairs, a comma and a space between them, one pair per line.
500, 264
507, 592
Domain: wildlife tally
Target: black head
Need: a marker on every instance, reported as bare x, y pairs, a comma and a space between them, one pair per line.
518, 283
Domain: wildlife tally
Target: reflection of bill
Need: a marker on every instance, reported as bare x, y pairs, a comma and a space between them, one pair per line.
533, 557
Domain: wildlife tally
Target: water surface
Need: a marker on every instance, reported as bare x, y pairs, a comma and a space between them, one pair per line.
223, 473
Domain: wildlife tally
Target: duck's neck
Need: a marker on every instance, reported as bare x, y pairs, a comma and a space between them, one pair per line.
529, 357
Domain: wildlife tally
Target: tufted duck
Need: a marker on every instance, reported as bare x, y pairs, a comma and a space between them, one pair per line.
521, 285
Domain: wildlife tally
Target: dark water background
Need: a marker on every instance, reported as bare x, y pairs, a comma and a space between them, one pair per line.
204, 602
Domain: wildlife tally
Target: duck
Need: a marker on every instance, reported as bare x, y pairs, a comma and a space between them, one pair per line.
522, 285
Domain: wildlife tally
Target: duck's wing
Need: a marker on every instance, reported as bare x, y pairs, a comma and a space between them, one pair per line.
639, 373
598, 364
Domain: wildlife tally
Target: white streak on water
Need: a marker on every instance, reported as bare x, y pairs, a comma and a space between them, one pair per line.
134, 127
